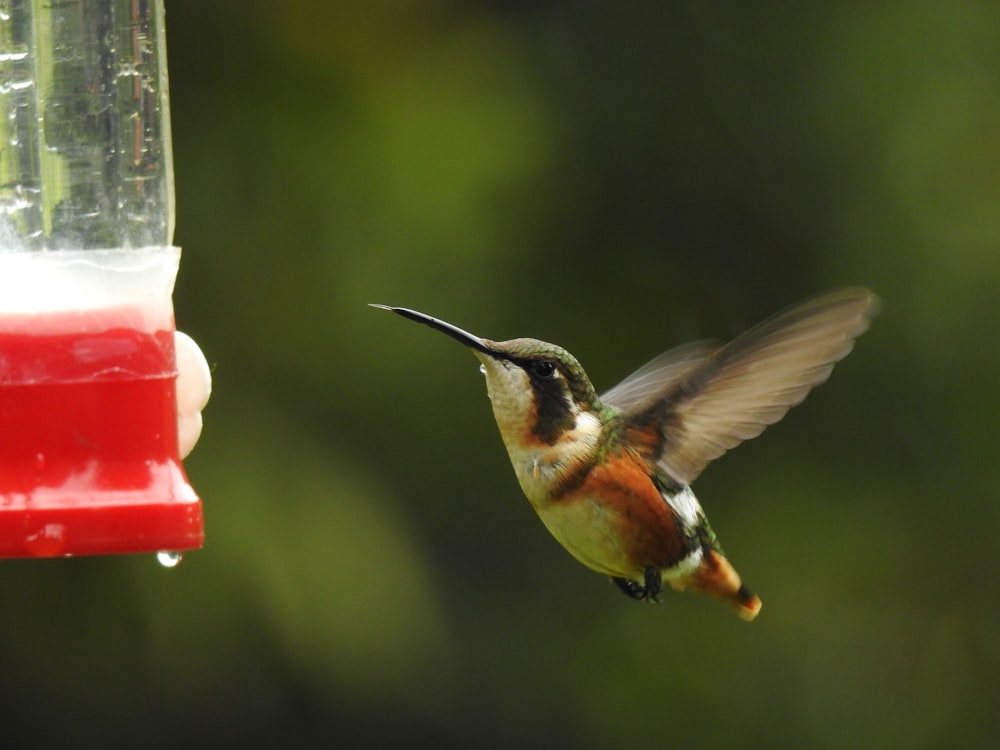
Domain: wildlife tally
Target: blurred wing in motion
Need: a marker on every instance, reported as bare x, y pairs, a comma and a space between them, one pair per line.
648, 382
692, 404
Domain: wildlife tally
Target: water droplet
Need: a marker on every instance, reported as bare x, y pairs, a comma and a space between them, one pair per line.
482, 369
169, 559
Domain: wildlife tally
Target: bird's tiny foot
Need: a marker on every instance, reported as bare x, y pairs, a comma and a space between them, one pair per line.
630, 588
649, 589
654, 583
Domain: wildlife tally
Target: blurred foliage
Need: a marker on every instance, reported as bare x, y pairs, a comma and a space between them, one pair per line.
617, 178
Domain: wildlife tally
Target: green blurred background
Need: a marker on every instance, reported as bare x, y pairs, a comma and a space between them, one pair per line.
617, 178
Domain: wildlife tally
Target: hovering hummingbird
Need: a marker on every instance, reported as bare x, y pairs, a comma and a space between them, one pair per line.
610, 475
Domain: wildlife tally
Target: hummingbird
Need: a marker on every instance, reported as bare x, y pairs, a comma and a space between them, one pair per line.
610, 475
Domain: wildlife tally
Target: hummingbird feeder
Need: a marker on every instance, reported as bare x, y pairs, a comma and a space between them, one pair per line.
89, 457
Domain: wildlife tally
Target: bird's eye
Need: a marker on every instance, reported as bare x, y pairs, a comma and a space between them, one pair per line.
544, 369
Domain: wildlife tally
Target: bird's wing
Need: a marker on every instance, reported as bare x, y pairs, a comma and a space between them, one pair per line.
706, 404
648, 382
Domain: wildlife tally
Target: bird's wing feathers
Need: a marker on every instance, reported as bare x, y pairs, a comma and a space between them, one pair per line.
701, 403
647, 383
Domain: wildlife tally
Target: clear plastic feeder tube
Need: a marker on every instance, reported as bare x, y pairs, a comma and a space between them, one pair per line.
85, 159
89, 459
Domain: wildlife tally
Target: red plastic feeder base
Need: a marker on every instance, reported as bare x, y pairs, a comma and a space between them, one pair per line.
58, 532
58, 524
89, 459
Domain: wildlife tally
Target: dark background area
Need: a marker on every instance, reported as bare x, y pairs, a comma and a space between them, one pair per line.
617, 178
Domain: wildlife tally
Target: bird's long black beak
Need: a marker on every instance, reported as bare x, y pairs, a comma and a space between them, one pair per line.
464, 337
